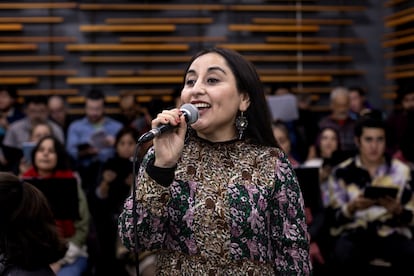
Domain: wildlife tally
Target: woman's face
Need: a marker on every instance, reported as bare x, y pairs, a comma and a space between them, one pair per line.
39, 132
126, 146
283, 139
328, 143
46, 157
211, 86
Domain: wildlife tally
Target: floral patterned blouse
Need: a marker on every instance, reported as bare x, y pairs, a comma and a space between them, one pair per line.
233, 208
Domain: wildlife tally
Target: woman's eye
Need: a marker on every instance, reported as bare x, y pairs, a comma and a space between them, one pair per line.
212, 80
189, 82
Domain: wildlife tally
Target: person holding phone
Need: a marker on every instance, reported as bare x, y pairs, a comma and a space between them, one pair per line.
369, 225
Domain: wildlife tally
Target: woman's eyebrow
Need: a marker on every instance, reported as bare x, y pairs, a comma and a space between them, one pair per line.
216, 68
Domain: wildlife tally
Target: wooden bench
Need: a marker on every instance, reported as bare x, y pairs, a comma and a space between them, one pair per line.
128, 28
399, 67
305, 21
295, 79
17, 80
167, 39
297, 58
399, 14
47, 92
275, 47
277, 72
10, 27
402, 53
38, 39
32, 59
42, 6
127, 47
273, 28
305, 72
185, 59
81, 111
160, 20
400, 21
152, 7
147, 92
398, 41
400, 75
135, 59
311, 90
124, 80
391, 3
294, 8
17, 47
39, 72
35, 20
301, 39
401, 33
179, 79
145, 72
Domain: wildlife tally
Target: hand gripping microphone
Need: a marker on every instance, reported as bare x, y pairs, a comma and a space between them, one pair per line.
190, 113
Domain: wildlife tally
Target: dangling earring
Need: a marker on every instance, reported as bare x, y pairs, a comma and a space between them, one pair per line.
241, 124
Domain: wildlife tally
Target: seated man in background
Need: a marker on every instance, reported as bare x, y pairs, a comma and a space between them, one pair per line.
367, 227
36, 111
58, 112
340, 119
91, 139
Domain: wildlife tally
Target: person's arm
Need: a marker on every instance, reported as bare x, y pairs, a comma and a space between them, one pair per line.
152, 199
72, 141
290, 238
81, 225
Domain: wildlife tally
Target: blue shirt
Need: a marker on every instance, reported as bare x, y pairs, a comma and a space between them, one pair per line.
80, 132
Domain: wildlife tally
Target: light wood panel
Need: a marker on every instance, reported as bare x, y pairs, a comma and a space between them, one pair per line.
26, 59
17, 47
128, 28
40, 5
152, 7
34, 20
128, 47
273, 28
160, 20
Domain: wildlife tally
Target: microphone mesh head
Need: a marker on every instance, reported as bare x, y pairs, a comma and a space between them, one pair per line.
191, 112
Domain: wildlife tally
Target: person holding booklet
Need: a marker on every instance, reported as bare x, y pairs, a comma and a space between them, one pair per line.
372, 204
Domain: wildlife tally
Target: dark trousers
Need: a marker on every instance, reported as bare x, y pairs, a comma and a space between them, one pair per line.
353, 252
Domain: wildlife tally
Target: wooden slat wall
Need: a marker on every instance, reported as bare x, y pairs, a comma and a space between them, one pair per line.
399, 42
123, 46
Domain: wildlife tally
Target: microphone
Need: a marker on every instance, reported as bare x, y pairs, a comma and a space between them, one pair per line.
190, 113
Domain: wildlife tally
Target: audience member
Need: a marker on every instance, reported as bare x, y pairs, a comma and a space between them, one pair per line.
306, 126
398, 119
38, 131
90, 139
358, 102
133, 114
281, 133
50, 160
115, 181
36, 111
406, 151
369, 226
58, 112
328, 155
9, 112
29, 240
339, 118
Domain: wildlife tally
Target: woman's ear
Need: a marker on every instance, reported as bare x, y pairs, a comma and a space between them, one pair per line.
245, 102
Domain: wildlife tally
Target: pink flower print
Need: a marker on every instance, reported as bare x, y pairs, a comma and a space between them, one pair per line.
254, 218
191, 245
252, 248
189, 217
262, 203
290, 231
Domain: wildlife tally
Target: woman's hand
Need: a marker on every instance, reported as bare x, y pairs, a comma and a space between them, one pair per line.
169, 145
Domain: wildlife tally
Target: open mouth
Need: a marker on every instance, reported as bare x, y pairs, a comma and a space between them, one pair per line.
201, 106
